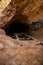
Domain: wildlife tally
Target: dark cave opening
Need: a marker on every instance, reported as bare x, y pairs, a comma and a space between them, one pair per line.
17, 27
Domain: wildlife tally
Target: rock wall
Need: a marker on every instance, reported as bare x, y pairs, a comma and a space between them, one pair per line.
8, 13
32, 9
4, 4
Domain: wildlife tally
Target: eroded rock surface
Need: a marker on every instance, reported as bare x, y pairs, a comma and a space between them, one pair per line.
14, 52
30, 10
2, 32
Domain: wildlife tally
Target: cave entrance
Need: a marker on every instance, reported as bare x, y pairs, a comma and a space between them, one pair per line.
17, 26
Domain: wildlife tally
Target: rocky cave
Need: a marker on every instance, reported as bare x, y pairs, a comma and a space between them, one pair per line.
21, 32
16, 26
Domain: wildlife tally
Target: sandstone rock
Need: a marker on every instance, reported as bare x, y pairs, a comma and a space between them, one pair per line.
2, 32
28, 54
30, 10
3, 4
1, 46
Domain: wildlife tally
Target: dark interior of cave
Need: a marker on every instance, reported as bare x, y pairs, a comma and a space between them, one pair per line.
17, 27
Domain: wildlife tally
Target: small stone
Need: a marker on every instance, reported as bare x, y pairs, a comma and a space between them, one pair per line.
36, 63
11, 63
40, 43
10, 43
2, 31
1, 46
